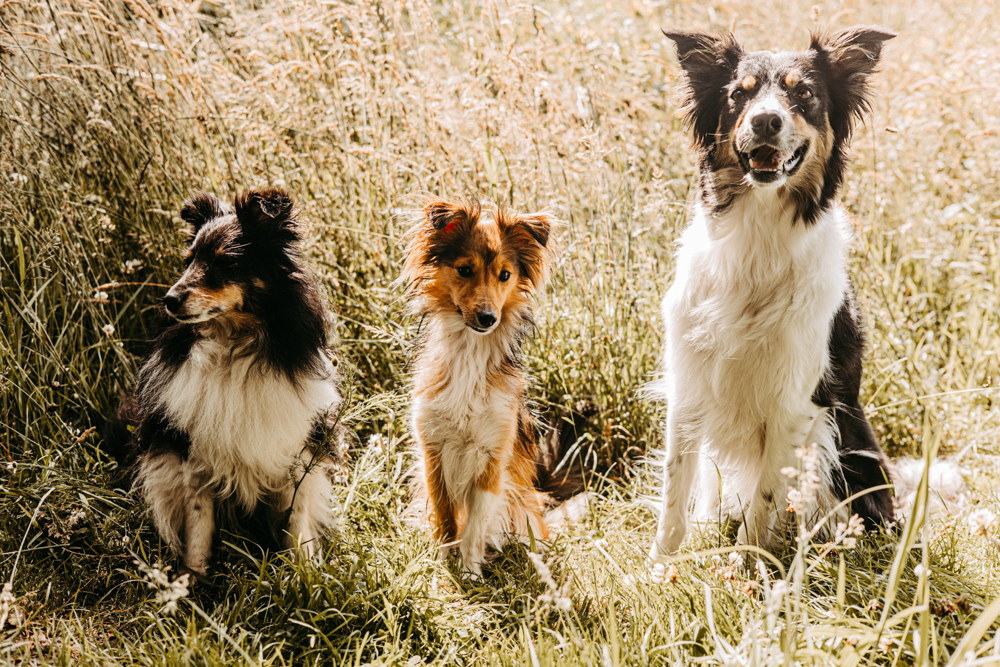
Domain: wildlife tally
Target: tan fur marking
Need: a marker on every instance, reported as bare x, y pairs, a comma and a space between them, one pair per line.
225, 299
749, 82
792, 79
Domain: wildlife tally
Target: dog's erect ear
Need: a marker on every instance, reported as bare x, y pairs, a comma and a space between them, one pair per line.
201, 208
709, 63
446, 216
852, 56
539, 225
263, 210
530, 236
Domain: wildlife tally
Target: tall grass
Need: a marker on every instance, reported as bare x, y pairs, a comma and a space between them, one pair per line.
112, 113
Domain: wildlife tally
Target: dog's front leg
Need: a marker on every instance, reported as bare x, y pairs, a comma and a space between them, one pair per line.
678, 476
312, 509
765, 515
485, 502
199, 526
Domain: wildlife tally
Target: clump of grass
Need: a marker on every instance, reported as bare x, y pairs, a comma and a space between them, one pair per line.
112, 113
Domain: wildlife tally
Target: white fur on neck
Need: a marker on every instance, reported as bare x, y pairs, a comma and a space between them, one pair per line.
466, 416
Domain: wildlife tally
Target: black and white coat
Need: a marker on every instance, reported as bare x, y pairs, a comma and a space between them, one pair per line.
762, 353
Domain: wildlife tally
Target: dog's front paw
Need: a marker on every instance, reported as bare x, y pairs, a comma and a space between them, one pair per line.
668, 541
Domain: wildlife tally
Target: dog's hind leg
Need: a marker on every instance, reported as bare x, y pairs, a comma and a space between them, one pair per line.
864, 466
678, 478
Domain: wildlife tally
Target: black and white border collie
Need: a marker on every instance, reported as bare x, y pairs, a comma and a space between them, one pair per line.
763, 347
227, 426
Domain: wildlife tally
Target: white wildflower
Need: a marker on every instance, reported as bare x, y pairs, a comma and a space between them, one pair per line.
101, 297
105, 222
8, 607
981, 522
790, 472
848, 533
557, 596
663, 574
794, 500
167, 592
131, 266
920, 570
378, 442
19, 179
108, 329
736, 559
777, 595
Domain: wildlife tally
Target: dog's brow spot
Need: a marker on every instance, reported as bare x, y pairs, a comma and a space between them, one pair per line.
188, 253
258, 283
749, 81
792, 79
220, 252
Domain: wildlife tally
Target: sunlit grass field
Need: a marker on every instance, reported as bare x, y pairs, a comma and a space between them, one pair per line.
112, 113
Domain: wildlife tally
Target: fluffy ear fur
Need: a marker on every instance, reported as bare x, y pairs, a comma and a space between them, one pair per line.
529, 234
432, 238
851, 57
709, 63
201, 208
266, 211
449, 216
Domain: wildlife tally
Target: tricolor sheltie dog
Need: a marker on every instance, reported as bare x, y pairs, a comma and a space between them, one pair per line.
471, 274
763, 347
228, 423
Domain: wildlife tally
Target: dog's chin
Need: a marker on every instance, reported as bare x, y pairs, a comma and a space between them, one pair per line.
196, 318
480, 330
767, 167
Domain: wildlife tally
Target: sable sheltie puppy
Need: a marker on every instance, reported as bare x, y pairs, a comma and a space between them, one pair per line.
231, 405
471, 274
763, 347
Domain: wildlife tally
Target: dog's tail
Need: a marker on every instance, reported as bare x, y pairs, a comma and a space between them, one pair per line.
118, 441
561, 464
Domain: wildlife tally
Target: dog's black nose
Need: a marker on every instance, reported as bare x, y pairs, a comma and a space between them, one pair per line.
486, 319
174, 300
766, 124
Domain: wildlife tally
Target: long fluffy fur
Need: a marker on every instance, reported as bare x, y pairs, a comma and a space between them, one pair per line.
233, 402
762, 351
476, 447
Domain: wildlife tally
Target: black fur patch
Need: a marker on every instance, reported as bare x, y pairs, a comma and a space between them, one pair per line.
862, 461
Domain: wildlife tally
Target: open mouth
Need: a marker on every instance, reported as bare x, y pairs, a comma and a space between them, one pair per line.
768, 161
481, 330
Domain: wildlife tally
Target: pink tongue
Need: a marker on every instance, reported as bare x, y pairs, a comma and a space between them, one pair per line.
774, 161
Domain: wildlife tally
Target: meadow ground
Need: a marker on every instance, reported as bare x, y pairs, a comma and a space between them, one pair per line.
111, 113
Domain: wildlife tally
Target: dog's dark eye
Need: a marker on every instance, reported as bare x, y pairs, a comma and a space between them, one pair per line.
504, 276
465, 271
804, 93
738, 95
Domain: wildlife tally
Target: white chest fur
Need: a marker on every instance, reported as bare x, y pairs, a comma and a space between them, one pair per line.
246, 422
748, 318
462, 408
